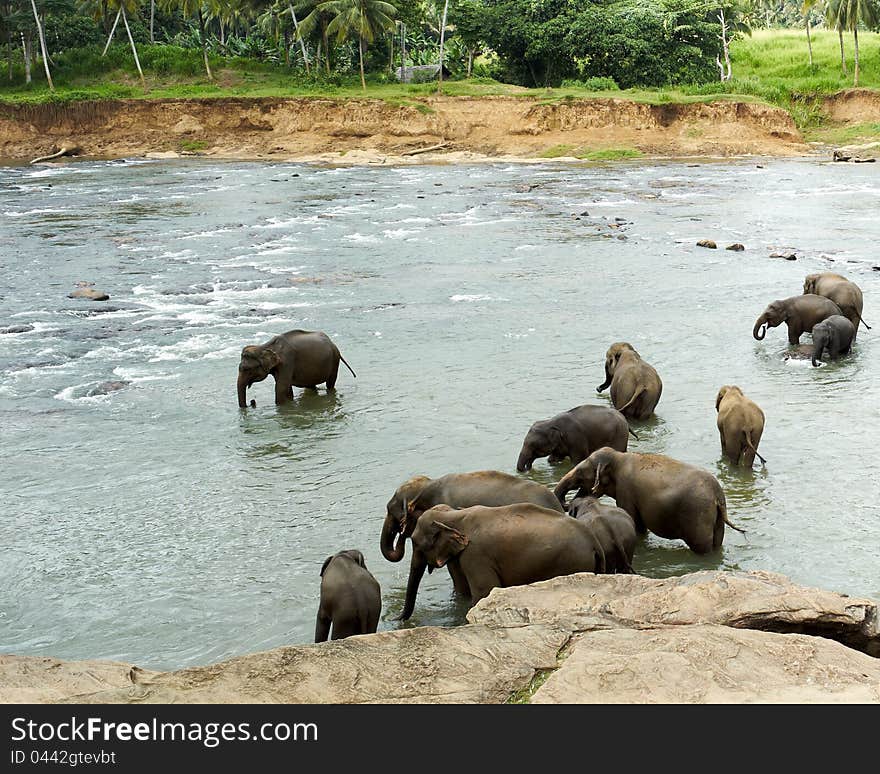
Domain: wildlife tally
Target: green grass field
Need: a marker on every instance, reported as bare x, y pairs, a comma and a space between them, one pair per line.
769, 66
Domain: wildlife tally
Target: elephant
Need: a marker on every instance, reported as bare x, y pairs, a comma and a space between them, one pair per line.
843, 292
670, 498
614, 528
459, 490
574, 433
296, 359
635, 385
500, 546
350, 597
836, 334
741, 423
799, 313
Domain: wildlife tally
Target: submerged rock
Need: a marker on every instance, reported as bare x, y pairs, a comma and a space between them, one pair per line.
89, 293
736, 246
17, 329
707, 243
105, 388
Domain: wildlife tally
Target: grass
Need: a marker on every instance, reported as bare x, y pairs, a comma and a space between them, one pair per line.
193, 146
524, 694
603, 154
770, 66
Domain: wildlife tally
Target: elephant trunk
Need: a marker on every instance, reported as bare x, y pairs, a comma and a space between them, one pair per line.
604, 385
566, 484
242, 389
416, 571
524, 462
818, 346
390, 531
760, 329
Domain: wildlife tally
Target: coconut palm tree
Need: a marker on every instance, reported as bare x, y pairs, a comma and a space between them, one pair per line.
806, 7
191, 8
42, 45
848, 15
353, 18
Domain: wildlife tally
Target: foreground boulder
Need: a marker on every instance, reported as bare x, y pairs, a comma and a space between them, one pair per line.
89, 293
703, 637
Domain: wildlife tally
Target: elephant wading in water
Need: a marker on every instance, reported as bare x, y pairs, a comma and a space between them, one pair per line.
574, 434
635, 385
843, 292
613, 527
504, 546
836, 334
740, 423
350, 597
799, 313
668, 497
295, 359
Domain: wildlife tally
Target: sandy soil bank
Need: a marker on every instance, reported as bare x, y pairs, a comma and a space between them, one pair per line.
376, 131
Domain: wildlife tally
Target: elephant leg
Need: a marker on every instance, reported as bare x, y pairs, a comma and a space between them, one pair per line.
481, 582
283, 392
794, 334
322, 626
459, 579
331, 380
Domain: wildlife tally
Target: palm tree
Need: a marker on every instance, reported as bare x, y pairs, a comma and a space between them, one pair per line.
831, 9
42, 45
353, 18
806, 7
193, 8
848, 15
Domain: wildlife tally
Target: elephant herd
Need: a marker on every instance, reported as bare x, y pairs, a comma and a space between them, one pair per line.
493, 529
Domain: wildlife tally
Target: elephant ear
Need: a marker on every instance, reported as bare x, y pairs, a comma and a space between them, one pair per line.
449, 543
324, 566
556, 437
721, 393
271, 358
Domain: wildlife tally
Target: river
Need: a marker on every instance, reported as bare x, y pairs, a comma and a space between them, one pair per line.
157, 523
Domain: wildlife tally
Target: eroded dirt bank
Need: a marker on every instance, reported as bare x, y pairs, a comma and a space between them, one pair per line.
372, 130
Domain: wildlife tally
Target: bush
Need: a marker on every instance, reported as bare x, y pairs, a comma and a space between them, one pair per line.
596, 83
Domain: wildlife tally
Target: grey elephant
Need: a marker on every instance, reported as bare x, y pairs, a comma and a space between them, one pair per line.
574, 434
296, 359
740, 422
635, 385
843, 292
499, 547
834, 334
612, 526
799, 313
670, 498
350, 597
460, 490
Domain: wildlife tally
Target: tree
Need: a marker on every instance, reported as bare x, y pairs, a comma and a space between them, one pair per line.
806, 7
190, 8
848, 15
360, 19
442, 41
42, 45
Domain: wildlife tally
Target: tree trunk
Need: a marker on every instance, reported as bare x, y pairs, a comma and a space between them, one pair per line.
809, 41
26, 54
442, 40
470, 64
402, 52
46, 55
152, 20
326, 47
842, 57
204, 37
286, 48
856, 58
302, 44
361, 57
9, 51
133, 47
112, 31
391, 53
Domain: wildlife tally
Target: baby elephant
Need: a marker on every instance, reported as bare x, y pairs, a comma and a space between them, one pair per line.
835, 334
799, 313
613, 527
350, 597
741, 423
575, 434
635, 385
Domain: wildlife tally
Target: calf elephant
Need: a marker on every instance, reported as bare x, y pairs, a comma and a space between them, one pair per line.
503, 546
799, 313
843, 292
836, 334
574, 434
635, 385
613, 527
670, 498
459, 490
296, 359
350, 597
740, 422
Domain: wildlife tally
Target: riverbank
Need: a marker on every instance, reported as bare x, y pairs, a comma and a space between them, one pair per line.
376, 131
705, 637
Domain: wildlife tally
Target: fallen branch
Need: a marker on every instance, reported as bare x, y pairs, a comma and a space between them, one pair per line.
425, 150
66, 150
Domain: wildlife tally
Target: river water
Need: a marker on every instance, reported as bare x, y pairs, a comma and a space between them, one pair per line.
157, 523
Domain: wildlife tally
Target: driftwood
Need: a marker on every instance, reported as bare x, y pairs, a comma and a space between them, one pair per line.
425, 150
66, 150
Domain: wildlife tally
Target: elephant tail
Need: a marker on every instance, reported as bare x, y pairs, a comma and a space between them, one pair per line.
753, 447
722, 516
348, 366
632, 400
632, 433
862, 321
